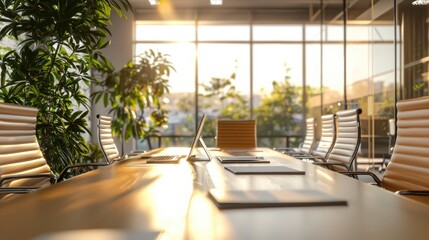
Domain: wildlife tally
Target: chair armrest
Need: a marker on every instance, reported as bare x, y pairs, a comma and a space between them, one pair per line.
24, 176
413, 192
312, 157
285, 150
138, 151
328, 164
131, 154
64, 171
357, 173
17, 190
135, 153
282, 148
293, 154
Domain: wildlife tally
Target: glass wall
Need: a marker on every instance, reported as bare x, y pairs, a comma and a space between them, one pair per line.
370, 71
176, 40
231, 69
414, 30
280, 68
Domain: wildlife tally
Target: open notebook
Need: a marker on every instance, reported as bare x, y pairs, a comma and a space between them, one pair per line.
177, 158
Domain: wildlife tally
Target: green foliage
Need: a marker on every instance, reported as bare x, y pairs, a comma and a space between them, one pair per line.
94, 154
275, 114
222, 98
135, 95
276, 111
225, 99
59, 42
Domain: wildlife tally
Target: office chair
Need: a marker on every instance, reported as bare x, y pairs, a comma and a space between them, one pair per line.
326, 141
408, 170
343, 154
23, 167
388, 153
305, 147
107, 143
105, 139
236, 134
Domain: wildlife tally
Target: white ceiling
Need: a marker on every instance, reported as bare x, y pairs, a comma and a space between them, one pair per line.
358, 9
138, 4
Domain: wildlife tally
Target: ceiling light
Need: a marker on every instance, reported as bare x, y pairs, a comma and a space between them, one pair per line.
154, 2
420, 2
216, 2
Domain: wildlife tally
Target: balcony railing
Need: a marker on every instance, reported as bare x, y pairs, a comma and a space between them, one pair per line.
155, 141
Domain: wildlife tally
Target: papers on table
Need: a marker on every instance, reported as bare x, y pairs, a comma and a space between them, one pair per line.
263, 170
113, 234
272, 198
242, 159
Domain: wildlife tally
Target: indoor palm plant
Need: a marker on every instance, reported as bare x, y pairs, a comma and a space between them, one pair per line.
135, 96
58, 42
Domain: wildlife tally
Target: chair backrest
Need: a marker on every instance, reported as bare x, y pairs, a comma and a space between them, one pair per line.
105, 139
409, 165
327, 137
310, 137
348, 139
19, 149
236, 134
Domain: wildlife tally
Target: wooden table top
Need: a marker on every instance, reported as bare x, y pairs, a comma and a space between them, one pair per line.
172, 198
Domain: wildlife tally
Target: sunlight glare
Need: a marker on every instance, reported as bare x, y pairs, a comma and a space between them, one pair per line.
168, 199
165, 9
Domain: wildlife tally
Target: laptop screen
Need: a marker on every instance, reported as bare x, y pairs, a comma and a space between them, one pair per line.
197, 135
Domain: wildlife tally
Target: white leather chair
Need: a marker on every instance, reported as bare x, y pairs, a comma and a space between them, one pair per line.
22, 165
307, 146
105, 139
343, 155
408, 170
326, 141
107, 143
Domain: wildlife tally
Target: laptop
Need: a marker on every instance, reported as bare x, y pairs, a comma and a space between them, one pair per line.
177, 158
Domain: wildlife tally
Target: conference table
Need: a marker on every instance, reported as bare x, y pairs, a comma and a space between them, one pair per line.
135, 200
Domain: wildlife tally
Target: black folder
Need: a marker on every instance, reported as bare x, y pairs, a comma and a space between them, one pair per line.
225, 199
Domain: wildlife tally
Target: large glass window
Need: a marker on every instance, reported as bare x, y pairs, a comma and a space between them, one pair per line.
371, 74
278, 92
313, 80
165, 32
177, 40
239, 65
224, 86
277, 33
224, 32
414, 23
332, 78
231, 74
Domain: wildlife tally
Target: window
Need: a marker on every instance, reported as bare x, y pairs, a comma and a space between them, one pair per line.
231, 67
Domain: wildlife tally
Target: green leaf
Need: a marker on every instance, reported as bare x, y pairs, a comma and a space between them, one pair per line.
57, 48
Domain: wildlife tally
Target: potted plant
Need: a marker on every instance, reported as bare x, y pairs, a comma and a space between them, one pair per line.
135, 96
58, 42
